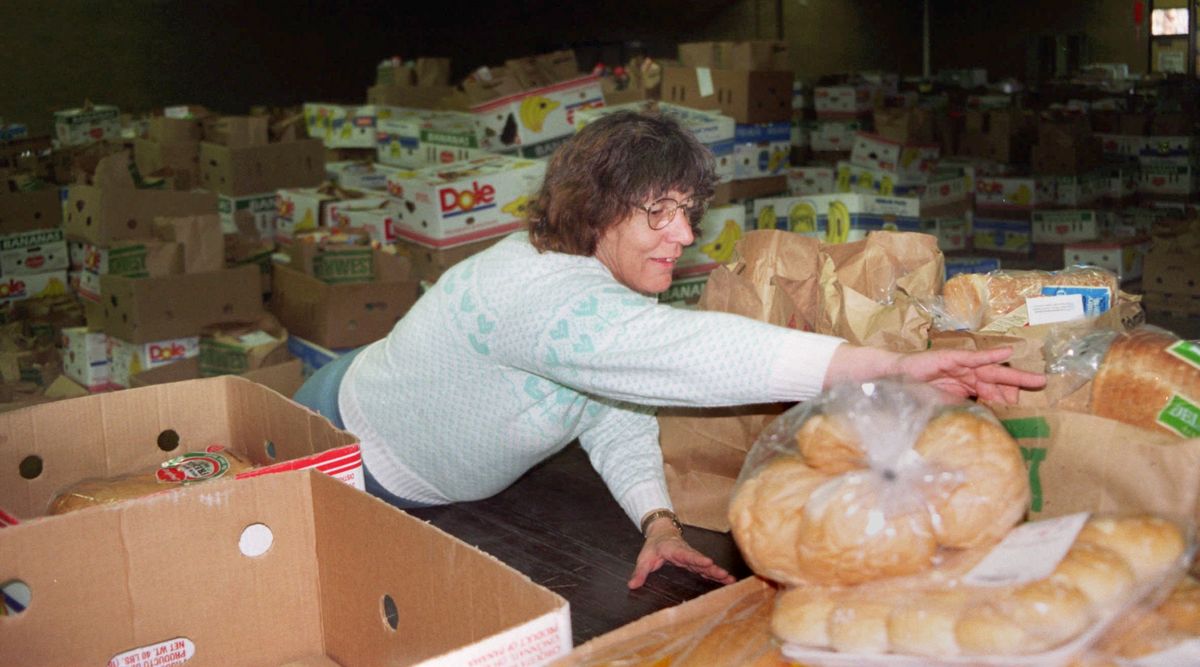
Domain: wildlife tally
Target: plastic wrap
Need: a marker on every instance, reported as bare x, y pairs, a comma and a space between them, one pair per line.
184, 469
874, 480
1168, 634
1147, 377
995, 301
1111, 568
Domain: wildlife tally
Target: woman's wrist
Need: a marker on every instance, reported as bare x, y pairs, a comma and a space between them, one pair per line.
660, 521
858, 363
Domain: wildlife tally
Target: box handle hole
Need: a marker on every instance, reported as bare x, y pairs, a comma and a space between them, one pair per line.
168, 440
390, 615
31, 467
16, 596
256, 540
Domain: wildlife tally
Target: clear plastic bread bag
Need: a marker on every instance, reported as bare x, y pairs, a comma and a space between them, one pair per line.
1043, 596
1153, 635
996, 301
1147, 377
874, 480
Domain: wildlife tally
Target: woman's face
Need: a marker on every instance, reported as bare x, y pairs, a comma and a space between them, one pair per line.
642, 258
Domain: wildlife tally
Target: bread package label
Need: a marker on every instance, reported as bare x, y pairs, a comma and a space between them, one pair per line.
192, 467
1186, 350
1029, 552
1182, 416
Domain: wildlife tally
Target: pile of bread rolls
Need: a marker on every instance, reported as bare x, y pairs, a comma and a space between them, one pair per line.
875, 480
976, 300
1151, 631
185, 469
1111, 560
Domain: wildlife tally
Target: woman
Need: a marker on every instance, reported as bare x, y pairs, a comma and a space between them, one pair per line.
556, 335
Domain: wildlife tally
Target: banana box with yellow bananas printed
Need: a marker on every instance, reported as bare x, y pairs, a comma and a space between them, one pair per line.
128, 359
341, 126
305, 209
716, 131
377, 215
945, 195
719, 230
358, 175
908, 163
19, 288
1006, 192
462, 202
837, 218
1072, 225
521, 121
761, 149
1012, 237
415, 138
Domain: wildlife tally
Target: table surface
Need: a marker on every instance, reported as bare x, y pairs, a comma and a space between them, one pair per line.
561, 527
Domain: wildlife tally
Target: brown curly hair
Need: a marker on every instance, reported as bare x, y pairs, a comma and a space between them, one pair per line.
611, 167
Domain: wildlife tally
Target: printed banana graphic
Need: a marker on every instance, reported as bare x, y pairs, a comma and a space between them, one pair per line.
347, 129
308, 222
802, 218
721, 248
778, 159
843, 179
766, 218
1022, 195
907, 157
886, 187
54, 287
394, 148
838, 224
517, 207
534, 110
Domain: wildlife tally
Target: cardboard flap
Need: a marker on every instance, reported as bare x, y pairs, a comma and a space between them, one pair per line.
113, 171
237, 131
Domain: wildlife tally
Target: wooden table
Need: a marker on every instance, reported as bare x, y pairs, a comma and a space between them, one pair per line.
560, 526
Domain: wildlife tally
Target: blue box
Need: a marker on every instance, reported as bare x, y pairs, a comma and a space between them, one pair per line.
311, 355
957, 265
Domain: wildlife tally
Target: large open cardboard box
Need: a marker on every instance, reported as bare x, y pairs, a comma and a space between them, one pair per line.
51, 446
287, 569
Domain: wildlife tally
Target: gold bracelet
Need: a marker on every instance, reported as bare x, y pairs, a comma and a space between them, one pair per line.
658, 514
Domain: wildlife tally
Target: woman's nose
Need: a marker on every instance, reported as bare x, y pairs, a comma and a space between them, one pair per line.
681, 229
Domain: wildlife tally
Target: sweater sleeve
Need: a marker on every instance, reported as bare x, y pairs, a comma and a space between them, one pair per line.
607, 340
623, 447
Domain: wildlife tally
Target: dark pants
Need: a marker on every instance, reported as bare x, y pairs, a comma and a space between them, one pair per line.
319, 393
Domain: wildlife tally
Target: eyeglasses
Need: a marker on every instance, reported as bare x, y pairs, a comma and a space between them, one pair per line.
660, 213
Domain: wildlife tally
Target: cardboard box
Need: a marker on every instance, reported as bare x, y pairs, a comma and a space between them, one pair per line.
377, 216
181, 159
128, 359
1181, 150
1123, 256
534, 116
177, 124
909, 164
238, 348
998, 235
311, 355
147, 259
249, 213
355, 175
341, 126
417, 97
1119, 146
134, 430
1074, 191
299, 542
463, 202
414, 138
77, 127
761, 150
143, 310
1070, 226
747, 96
1120, 183
957, 265
339, 316
34, 251
430, 263
684, 292
249, 170
1175, 180
953, 234
112, 209
992, 192
284, 378
754, 54
33, 285
85, 357
716, 131
1170, 269
305, 209
750, 188
810, 180
719, 231
846, 101
835, 135
26, 211
838, 218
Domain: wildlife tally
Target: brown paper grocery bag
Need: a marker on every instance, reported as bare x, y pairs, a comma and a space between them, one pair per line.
1083, 463
201, 237
870, 289
703, 450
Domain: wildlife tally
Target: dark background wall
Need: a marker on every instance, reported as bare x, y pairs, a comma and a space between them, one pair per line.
141, 54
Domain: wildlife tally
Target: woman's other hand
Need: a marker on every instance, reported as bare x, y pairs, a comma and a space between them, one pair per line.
665, 544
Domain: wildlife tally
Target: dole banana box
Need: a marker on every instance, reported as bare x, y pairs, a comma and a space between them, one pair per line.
804, 181
716, 131
908, 163
377, 215
1070, 226
837, 218
340, 126
85, 357
719, 230
35, 251
1161, 150
128, 359
415, 138
458, 203
761, 150
77, 127
945, 195
250, 212
1001, 192
19, 288
305, 209
535, 116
